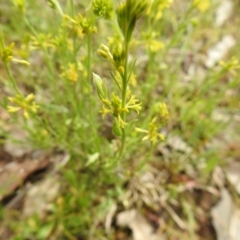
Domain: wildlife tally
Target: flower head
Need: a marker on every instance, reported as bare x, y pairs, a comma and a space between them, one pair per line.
201, 5
152, 133
102, 8
27, 104
128, 13
157, 7
20, 4
71, 72
159, 119
232, 65
151, 42
6, 52
163, 113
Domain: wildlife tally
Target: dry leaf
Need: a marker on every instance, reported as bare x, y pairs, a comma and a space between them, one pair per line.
140, 227
219, 51
40, 196
226, 218
223, 12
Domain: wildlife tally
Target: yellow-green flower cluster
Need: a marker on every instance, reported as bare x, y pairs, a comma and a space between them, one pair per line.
27, 105
163, 113
102, 8
19, 4
201, 5
152, 133
116, 58
232, 65
114, 105
157, 8
72, 26
6, 53
128, 13
42, 41
117, 54
151, 42
79, 24
71, 72
87, 25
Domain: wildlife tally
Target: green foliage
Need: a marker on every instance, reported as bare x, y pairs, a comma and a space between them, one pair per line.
111, 60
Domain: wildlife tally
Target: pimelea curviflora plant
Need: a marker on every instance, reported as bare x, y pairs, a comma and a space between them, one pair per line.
67, 54
120, 104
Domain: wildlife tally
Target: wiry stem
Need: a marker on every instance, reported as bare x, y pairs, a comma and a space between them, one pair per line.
124, 94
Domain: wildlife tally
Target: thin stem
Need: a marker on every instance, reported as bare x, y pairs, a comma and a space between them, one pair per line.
72, 8
89, 58
124, 93
12, 79
88, 85
48, 60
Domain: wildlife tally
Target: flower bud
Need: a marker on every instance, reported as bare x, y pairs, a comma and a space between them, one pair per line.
128, 13
100, 86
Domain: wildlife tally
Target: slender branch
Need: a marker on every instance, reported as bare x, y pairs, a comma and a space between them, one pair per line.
124, 94
89, 40
12, 79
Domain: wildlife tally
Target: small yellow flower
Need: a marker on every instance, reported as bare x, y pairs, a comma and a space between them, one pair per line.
120, 122
133, 80
163, 112
102, 8
155, 46
42, 41
152, 133
151, 42
86, 24
232, 65
105, 111
26, 104
201, 5
115, 105
12, 109
6, 53
161, 116
157, 8
73, 25
134, 104
71, 73
19, 4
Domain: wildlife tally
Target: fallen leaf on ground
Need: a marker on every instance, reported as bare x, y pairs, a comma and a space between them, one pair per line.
15, 145
14, 173
141, 228
233, 175
39, 197
223, 12
219, 51
226, 218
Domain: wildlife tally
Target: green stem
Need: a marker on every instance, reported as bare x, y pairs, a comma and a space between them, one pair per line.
124, 94
72, 8
48, 60
11, 78
89, 38
90, 100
